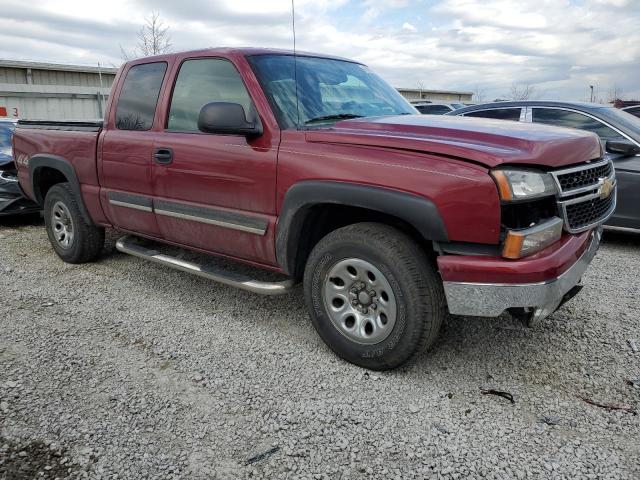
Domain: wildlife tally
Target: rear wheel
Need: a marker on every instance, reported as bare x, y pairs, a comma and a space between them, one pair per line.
373, 295
71, 237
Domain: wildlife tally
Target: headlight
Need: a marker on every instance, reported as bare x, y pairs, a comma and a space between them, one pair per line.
516, 184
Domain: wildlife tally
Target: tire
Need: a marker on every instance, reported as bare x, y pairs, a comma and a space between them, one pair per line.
396, 263
72, 239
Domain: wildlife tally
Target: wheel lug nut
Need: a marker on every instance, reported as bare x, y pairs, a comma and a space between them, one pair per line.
373, 306
354, 302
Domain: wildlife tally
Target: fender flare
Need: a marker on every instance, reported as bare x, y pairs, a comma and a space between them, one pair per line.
417, 211
39, 161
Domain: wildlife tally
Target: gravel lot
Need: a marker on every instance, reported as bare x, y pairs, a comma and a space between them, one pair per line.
124, 369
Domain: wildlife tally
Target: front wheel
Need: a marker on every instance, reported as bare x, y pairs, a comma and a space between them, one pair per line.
71, 237
373, 295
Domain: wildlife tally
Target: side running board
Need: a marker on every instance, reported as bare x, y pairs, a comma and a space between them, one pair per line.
128, 245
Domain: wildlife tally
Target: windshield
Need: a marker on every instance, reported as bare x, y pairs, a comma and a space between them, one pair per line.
627, 122
328, 90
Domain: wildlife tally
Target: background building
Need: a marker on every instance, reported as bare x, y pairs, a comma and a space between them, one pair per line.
50, 91
444, 96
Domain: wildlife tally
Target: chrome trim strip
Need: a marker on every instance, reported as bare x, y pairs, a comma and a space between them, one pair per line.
613, 228
491, 300
127, 245
130, 205
210, 221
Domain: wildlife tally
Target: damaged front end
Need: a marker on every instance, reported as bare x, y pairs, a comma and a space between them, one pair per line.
12, 200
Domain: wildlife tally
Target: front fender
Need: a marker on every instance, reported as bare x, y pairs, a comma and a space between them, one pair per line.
417, 211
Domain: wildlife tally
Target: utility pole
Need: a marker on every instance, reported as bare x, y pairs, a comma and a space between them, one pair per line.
591, 87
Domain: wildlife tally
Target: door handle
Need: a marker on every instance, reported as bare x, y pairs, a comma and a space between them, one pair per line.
163, 156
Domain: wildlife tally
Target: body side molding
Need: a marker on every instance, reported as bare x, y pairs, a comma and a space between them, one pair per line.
212, 216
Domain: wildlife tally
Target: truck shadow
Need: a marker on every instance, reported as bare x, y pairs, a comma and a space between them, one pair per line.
16, 221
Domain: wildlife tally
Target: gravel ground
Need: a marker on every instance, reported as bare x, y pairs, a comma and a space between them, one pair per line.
124, 369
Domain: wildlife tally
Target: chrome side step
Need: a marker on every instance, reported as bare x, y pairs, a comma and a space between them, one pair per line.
128, 245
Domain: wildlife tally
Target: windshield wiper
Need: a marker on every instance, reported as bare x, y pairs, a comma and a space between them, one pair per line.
335, 116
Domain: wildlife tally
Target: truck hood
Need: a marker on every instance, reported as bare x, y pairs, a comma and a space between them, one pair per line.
484, 141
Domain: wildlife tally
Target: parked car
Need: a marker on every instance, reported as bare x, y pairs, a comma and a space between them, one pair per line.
437, 108
387, 217
12, 201
619, 132
633, 110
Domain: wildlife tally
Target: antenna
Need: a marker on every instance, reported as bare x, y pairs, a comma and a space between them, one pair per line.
295, 60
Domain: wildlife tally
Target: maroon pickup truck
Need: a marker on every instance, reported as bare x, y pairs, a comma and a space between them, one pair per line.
315, 168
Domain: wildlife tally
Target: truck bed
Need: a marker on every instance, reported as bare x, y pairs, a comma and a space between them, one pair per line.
42, 144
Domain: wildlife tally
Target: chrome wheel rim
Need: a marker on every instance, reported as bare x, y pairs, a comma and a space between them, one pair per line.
62, 225
360, 301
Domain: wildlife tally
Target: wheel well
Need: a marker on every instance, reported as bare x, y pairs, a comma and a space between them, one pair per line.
45, 178
321, 219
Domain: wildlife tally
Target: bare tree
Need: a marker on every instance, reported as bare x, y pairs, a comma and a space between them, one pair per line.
478, 94
521, 91
153, 39
421, 87
615, 93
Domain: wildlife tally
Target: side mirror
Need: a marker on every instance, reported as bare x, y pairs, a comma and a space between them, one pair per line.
624, 147
228, 119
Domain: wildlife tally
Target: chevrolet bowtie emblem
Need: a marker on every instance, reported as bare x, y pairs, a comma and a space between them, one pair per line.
605, 188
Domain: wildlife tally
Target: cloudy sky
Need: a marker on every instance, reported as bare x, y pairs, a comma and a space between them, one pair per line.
559, 46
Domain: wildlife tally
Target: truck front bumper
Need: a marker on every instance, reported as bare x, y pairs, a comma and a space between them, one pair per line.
543, 297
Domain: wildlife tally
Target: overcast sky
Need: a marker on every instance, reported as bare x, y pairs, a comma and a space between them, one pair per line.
559, 46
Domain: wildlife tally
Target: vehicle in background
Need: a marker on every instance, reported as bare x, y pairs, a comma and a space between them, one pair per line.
618, 130
437, 108
315, 168
12, 200
633, 110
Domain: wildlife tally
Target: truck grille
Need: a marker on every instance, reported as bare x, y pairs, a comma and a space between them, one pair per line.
584, 178
587, 195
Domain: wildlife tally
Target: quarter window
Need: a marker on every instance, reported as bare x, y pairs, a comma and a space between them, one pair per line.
497, 113
139, 96
566, 118
200, 82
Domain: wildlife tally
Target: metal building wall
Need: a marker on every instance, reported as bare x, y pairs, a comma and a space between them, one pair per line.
40, 108
50, 93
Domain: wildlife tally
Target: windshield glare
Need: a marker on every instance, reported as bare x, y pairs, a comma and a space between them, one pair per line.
326, 88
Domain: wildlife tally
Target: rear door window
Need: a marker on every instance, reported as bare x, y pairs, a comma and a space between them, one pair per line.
203, 81
497, 113
434, 109
567, 118
139, 96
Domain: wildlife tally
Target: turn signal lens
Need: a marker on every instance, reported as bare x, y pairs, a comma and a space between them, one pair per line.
521, 243
513, 245
503, 185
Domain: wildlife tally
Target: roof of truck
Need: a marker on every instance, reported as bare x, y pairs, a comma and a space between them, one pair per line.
247, 51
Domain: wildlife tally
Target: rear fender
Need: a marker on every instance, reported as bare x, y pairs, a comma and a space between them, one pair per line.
38, 162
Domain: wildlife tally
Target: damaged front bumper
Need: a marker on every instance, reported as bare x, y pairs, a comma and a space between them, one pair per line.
541, 298
12, 200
